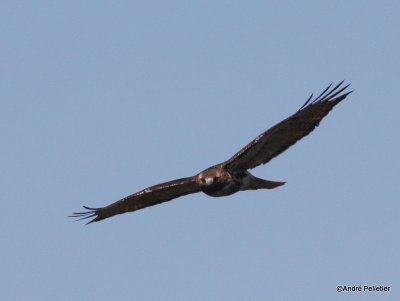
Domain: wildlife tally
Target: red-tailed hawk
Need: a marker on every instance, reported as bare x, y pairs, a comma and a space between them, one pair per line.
232, 175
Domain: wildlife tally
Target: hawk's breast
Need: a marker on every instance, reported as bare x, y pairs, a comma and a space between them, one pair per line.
223, 187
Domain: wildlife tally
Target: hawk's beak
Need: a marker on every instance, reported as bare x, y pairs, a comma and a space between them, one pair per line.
209, 180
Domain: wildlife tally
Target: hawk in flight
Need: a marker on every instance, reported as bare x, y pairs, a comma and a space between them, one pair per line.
232, 175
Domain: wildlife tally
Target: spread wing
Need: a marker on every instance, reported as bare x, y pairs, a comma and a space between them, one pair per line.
147, 197
286, 133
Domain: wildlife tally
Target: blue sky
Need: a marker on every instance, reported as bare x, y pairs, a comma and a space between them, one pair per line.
101, 99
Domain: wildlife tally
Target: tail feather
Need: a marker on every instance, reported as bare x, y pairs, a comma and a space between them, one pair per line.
254, 183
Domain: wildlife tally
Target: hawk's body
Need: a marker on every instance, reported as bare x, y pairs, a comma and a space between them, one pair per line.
218, 181
232, 175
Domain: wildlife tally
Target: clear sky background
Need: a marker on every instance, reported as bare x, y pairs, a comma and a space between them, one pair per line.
100, 99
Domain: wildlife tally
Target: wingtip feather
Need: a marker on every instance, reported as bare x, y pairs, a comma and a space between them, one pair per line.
92, 212
328, 95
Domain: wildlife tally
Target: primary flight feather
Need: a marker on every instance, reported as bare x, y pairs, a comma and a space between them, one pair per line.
232, 175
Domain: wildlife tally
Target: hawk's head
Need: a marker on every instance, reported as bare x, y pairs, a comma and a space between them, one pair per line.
210, 176
217, 181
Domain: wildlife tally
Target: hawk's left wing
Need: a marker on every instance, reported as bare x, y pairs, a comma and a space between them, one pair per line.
147, 197
286, 133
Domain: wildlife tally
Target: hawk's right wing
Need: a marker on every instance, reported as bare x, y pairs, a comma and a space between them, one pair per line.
147, 197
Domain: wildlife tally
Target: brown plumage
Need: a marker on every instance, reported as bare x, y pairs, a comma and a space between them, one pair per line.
232, 175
